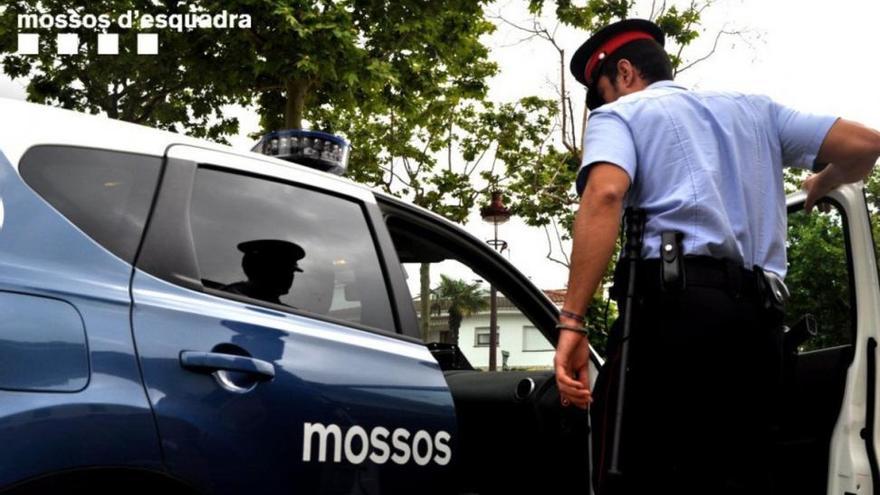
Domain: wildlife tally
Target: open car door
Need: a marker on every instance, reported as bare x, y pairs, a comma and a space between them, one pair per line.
827, 433
513, 431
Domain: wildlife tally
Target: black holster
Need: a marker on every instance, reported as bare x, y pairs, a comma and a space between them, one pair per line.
672, 272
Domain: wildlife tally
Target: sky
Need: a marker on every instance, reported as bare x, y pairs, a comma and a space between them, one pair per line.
815, 56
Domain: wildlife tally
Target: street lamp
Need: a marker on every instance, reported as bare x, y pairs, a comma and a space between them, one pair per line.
496, 214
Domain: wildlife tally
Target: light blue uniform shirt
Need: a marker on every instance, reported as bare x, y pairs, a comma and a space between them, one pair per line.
708, 164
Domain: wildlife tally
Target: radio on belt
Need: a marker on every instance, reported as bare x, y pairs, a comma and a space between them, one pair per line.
315, 149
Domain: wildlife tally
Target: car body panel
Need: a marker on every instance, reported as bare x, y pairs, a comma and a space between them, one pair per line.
225, 432
102, 417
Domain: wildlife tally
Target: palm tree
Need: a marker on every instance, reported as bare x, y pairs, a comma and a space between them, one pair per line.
461, 299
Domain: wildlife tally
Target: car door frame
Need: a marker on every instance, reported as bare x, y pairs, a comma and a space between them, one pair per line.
520, 290
853, 460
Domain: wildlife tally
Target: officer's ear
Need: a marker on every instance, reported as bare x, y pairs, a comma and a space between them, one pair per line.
626, 72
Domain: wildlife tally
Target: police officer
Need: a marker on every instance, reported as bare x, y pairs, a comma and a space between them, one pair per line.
705, 166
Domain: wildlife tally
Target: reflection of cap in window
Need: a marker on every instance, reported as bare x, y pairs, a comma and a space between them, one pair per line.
274, 249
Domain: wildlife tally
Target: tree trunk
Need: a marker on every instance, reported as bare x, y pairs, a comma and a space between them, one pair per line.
296, 103
455, 318
425, 297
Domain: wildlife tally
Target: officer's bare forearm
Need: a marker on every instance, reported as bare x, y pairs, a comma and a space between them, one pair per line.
595, 233
845, 172
852, 149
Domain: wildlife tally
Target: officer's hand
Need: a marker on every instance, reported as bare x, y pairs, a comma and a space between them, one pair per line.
572, 364
817, 186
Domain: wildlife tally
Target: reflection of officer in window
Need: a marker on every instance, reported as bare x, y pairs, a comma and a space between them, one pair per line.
269, 265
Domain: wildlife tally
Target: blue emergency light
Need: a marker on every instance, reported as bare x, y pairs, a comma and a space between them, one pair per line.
320, 150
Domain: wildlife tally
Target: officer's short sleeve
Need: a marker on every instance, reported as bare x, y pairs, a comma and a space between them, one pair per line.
608, 139
800, 135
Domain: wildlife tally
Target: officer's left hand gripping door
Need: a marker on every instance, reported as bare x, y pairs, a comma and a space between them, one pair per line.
259, 318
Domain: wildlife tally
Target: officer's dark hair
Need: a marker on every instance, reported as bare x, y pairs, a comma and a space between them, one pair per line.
647, 56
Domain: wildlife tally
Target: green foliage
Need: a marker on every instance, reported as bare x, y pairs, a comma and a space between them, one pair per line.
601, 314
299, 60
435, 157
179, 89
818, 273
818, 276
404, 81
591, 17
680, 24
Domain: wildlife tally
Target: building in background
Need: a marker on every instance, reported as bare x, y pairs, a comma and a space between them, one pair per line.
520, 345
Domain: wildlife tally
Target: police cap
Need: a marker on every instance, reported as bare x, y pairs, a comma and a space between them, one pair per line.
274, 248
587, 59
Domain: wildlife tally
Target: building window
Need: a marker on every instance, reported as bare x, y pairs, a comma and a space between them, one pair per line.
534, 340
481, 337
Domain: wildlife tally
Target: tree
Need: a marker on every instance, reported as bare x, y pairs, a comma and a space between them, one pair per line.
296, 58
184, 88
405, 81
818, 275
460, 299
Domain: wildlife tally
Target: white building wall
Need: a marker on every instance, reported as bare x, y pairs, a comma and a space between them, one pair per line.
511, 326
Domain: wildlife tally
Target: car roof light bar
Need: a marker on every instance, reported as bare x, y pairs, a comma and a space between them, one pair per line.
320, 150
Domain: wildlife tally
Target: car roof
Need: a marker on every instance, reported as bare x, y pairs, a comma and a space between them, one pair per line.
24, 125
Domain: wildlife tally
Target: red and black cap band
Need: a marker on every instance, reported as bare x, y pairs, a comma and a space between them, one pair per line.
589, 56
610, 47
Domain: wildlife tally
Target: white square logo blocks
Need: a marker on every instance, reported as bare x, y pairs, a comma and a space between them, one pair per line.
68, 44
108, 44
28, 44
148, 44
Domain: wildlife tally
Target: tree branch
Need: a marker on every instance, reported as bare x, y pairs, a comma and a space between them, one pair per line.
477, 162
559, 241
394, 175
449, 143
686, 28
562, 98
409, 171
574, 143
549, 255
711, 52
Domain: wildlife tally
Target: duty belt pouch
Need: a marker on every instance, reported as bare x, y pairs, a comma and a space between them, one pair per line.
672, 273
772, 291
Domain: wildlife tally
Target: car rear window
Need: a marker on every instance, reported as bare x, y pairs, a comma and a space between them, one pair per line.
107, 194
289, 246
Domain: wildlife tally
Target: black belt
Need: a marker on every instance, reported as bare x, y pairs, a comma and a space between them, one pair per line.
700, 271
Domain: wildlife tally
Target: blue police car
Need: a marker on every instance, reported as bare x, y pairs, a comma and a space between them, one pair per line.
181, 317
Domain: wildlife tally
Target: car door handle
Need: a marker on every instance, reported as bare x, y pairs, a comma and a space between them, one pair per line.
209, 362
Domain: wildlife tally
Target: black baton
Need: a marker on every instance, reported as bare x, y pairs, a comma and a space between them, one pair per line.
634, 219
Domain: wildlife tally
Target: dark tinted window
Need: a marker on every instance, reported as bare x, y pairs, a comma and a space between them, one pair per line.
107, 194
286, 245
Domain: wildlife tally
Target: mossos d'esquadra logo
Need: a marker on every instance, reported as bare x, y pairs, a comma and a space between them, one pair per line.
328, 443
104, 25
